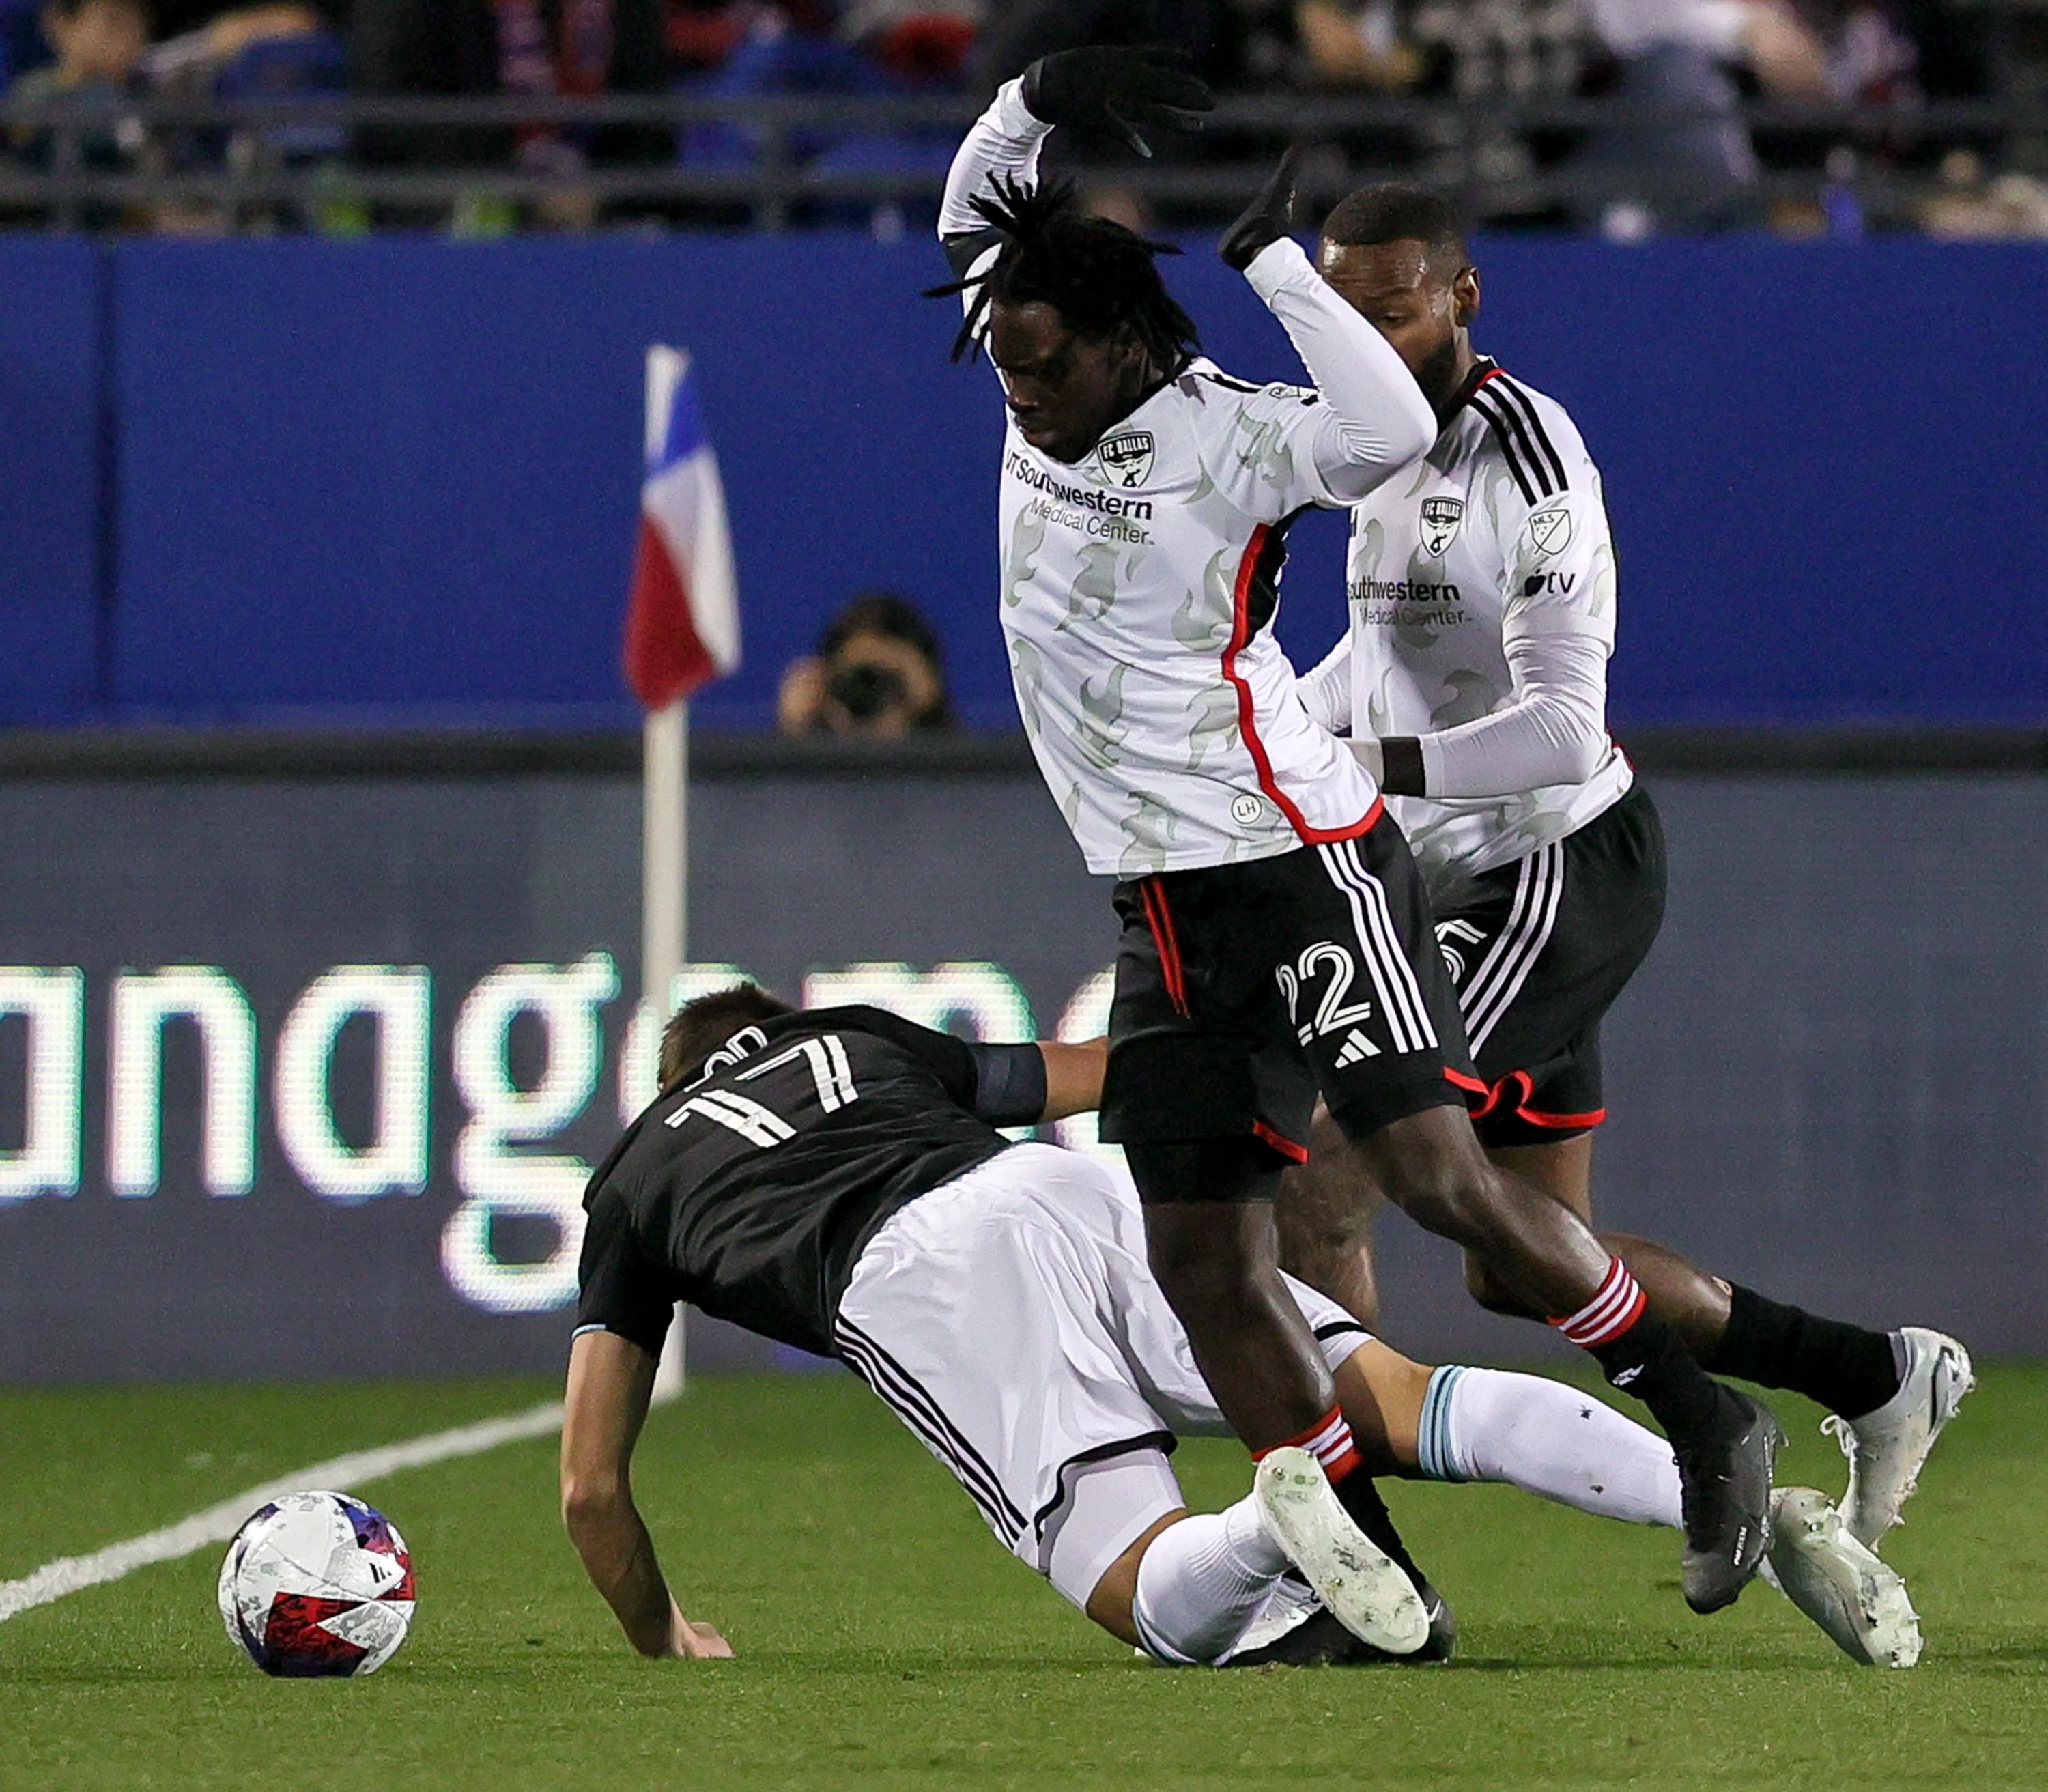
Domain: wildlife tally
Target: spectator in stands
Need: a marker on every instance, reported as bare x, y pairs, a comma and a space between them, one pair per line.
1677, 151
97, 48
1680, 57
877, 675
527, 48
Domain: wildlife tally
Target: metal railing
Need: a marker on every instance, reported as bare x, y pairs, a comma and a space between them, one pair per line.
254, 160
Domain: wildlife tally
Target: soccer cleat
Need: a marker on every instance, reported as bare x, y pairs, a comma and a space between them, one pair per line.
1724, 1483
1301, 1633
1359, 1581
1835, 1581
1886, 1448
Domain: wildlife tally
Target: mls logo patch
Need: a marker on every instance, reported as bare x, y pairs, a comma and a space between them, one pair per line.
1127, 459
1550, 531
1440, 518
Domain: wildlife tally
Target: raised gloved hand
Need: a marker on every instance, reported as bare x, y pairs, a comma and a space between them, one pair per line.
1115, 90
1269, 217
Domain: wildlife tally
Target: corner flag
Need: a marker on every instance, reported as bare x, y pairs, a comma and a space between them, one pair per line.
682, 628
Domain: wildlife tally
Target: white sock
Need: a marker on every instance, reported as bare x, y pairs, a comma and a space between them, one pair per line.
1486, 1425
1202, 1581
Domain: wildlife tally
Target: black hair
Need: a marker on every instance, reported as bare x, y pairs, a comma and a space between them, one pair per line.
1099, 276
699, 1028
881, 612
1396, 212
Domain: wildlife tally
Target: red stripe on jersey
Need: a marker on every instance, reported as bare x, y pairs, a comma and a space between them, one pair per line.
1240, 633
1279, 1141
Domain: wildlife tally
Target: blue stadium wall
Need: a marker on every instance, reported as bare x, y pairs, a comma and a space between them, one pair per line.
299, 481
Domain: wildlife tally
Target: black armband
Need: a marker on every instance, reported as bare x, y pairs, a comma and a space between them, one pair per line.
1010, 1085
1401, 766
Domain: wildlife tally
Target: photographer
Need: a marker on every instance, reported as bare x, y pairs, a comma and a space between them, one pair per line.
876, 675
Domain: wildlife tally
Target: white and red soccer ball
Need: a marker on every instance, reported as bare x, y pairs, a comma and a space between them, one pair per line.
317, 1585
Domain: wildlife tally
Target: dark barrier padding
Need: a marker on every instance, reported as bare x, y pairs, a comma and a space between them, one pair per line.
393, 481
243, 1021
51, 367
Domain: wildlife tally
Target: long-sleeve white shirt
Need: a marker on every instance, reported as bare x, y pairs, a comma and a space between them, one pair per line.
1481, 599
1139, 582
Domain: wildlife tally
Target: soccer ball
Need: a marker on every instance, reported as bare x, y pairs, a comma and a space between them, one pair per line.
317, 1583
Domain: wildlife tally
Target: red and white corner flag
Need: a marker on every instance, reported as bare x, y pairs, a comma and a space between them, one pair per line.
682, 629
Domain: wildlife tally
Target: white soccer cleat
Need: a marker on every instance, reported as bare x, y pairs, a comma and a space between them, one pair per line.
1364, 1589
1886, 1448
1831, 1577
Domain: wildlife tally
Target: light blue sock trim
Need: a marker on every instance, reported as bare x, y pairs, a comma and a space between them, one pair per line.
1433, 1430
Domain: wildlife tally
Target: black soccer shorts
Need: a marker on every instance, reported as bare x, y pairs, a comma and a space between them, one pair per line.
1242, 991
1538, 950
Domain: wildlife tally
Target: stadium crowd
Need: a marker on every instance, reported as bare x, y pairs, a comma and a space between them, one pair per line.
1675, 74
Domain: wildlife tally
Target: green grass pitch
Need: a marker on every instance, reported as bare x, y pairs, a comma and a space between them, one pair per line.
885, 1641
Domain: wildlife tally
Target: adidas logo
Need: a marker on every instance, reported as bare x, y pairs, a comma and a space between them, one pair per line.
1356, 1050
1628, 1375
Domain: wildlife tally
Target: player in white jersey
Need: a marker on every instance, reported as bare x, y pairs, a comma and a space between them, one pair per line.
1277, 941
1473, 682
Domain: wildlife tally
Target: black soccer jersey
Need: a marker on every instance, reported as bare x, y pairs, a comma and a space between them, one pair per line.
752, 1191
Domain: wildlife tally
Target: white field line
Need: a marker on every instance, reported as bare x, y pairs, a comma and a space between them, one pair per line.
71, 1574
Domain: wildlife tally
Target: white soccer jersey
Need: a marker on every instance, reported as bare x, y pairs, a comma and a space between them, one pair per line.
1137, 593
1499, 532
1138, 585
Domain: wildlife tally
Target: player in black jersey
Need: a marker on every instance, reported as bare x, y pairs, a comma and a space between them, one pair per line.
786, 1180
833, 1179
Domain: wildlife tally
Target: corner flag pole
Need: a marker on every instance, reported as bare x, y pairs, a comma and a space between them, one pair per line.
664, 844
664, 914
682, 629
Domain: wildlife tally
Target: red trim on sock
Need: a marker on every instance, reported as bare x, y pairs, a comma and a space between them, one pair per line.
1346, 1464
1612, 1311
1306, 1440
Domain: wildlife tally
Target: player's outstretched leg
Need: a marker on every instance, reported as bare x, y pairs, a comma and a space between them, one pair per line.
1489, 1424
1890, 1392
1430, 1164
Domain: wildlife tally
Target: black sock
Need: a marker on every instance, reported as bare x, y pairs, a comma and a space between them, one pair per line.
1849, 1370
1358, 1497
1648, 1361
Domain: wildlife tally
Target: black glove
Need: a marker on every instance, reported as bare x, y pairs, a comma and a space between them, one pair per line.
1114, 90
1267, 219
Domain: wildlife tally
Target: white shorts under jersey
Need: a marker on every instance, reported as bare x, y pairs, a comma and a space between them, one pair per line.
1481, 583
1138, 584
1010, 1321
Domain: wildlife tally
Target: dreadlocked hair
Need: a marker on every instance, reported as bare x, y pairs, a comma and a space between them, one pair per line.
1100, 276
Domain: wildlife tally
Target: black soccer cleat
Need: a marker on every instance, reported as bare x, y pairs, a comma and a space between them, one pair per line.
1724, 1478
1318, 1640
